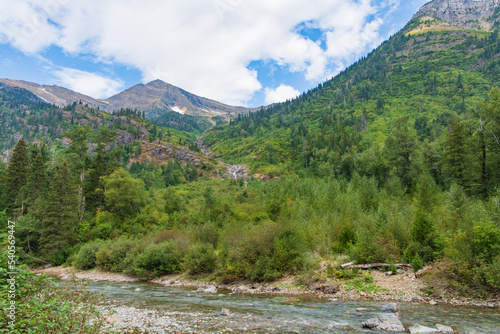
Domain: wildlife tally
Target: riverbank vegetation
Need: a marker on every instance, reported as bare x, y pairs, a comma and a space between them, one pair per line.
231, 229
43, 305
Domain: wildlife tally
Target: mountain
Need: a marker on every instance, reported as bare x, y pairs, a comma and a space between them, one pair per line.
433, 74
27, 116
156, 98
468, 14
56, 95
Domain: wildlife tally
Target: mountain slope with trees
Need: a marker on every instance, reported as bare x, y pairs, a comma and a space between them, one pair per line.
396, 159
388, 114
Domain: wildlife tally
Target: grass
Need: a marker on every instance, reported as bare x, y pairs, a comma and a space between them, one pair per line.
359, 285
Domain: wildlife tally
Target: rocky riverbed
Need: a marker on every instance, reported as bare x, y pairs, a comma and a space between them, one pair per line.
403, 287
150, 308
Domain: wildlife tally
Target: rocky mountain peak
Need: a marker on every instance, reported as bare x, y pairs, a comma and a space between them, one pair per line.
465, 14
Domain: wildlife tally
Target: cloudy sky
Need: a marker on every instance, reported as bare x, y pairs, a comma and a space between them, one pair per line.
241, 52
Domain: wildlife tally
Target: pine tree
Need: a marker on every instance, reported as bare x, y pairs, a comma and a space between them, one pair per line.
78, 150
457, 154
15, 181
61, 213
94, 188
400, 147
101, 165
36, 187
490, 126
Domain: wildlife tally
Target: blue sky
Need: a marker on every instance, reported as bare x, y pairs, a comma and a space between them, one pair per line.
241, 52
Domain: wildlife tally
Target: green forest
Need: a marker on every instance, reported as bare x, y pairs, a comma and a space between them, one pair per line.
395, 160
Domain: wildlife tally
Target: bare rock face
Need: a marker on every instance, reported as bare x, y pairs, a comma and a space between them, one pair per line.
6, 156
465, 14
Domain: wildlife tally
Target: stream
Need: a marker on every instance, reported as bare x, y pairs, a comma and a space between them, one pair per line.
181, 310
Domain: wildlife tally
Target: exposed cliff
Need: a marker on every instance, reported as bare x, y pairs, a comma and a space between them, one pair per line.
465, 14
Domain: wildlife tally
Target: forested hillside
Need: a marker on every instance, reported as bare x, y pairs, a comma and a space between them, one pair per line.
396, 159
390, 113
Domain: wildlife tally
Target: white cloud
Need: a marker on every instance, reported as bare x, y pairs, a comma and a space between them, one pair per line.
90, 84
202, 46
280, 94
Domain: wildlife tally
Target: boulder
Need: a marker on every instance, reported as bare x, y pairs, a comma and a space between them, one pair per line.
419, 329
209, 289
327, 289
391, 307
432, 302
240, 289
444, 329
386, 322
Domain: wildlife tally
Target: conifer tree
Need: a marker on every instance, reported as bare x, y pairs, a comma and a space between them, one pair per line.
15, 181
36, 187
61, 213
78, 150
457, 154
400, 147
490, 127
101, 165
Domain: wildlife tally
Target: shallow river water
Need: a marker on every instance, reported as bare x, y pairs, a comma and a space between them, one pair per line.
196, 312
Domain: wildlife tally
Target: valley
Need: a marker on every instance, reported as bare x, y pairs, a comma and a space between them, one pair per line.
393, 164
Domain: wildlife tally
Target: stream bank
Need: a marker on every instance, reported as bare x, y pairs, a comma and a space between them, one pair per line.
151, 308
403, 287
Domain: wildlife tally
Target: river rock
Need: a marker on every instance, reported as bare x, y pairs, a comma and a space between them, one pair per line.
327, 289
240, 289
432, 302
391, 307
113, 320
225, 312
209, 289
138, 289
444, 329
386, 322
419, 329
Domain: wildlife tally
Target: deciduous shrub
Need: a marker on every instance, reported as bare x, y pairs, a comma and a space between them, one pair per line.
156, 260
47, 307
112, 254
86, 257
288, 250
201, 258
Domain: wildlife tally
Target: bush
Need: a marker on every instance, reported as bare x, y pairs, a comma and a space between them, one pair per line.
368, 278
86, 257
264, 270
48, 307
112, 254
492, 273
59, 258
288, 250
417, 263
347, 238
157, 260
486, 241
200, 258
345, 273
